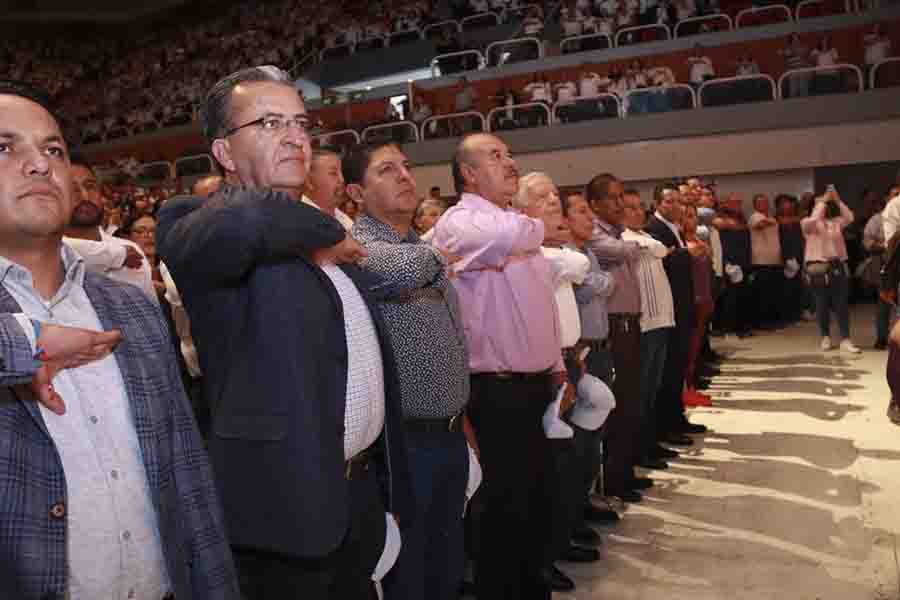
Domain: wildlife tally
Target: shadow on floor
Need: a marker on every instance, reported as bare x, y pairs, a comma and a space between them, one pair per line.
778, 476
824, 410
687, 561
797, 372
824, 451
831, 360
816, 387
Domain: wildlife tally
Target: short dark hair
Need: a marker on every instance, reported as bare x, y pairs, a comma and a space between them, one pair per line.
77, 159
597, 189
12, 87
660, 190
565, 200
631, 192
358, 158
215, 112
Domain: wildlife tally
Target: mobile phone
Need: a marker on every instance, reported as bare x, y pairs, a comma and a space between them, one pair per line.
831, 188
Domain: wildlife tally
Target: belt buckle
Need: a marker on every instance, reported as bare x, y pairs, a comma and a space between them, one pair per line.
452, 421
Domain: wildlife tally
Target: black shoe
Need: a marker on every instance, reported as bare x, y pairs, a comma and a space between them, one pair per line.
678, 439
556, 580
580, 554
880, 345
701, 383
744, 334
654, 463
640, 483
596, 514
663, 452
586, 536
467, 588
709, 371
688, 427
627, 495
713, 357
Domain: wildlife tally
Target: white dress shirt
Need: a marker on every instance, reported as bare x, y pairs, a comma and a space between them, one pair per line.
567, 267
364, 414
107, 257
182, 323
657, 306
112, 538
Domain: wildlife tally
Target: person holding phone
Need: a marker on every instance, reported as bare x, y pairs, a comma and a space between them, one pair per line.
825, 269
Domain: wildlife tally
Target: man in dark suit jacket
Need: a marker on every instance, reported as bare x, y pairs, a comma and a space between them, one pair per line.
278, 329
672, 422
110, 462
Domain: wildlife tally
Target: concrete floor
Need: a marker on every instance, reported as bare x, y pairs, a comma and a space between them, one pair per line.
792, 495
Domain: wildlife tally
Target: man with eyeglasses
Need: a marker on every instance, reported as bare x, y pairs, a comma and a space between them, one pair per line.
307, 440
103, 253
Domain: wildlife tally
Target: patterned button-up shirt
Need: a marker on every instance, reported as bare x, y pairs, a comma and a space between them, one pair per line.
421, 309
114, 548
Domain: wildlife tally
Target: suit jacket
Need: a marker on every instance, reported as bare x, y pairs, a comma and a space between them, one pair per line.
32, 482
269, 330
679, 268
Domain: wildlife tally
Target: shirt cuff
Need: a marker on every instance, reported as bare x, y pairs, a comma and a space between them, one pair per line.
28, 328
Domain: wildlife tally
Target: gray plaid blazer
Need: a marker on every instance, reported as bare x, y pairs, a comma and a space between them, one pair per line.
33, 485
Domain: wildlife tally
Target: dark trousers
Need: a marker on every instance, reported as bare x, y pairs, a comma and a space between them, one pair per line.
669, 407
624, 423
506, 416
893, 372
653, 362
564, 476
431, 561
202, 412
834, 298
735, 305
883, 321
768, 294
345, 574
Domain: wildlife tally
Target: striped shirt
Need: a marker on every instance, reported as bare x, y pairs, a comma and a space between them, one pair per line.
657, 306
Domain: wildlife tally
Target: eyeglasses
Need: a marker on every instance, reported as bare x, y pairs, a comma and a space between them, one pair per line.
274, 124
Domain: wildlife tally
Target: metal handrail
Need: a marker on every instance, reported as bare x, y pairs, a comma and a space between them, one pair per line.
761, 9
835, 67
626, 30
515, 106
872, 78
434, 61
295, 70
573, 38
776, 94
560, 103
170, 168
464, 20
442, 24
804, 4
193, 157
540, 45
415, 30
668, 86
436, 118
405, 124
322, 52
714, 17
321, 136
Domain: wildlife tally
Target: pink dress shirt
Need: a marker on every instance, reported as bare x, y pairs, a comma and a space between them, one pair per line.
825, 237
505, 288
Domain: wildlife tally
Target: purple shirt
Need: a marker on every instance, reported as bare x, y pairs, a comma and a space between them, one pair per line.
504, 285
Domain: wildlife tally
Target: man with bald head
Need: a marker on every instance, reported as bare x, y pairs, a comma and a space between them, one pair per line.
307, 439
510, 319
105, 488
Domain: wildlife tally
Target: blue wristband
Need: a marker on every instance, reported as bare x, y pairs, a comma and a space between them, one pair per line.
38, 352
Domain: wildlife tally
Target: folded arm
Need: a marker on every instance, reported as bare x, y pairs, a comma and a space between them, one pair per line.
17, 345
490, 238
222, 240
402, 268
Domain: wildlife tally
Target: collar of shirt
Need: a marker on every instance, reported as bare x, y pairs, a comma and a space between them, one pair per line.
613, 230
675, 229
476, 202
369, 227
339, 215
73, 265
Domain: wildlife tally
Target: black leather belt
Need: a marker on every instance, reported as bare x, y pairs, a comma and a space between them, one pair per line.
452, 424
358, 465
513, 375
624, 321
169, 597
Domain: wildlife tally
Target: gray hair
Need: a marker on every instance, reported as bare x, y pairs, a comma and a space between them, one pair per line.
523, 200
215, 112
428, 203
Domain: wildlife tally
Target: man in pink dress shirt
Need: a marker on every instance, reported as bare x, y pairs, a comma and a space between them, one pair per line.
510, 319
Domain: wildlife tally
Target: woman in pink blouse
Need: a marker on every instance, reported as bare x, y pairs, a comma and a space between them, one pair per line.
825, 266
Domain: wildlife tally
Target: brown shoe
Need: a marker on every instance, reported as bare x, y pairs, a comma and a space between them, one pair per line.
893, 412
